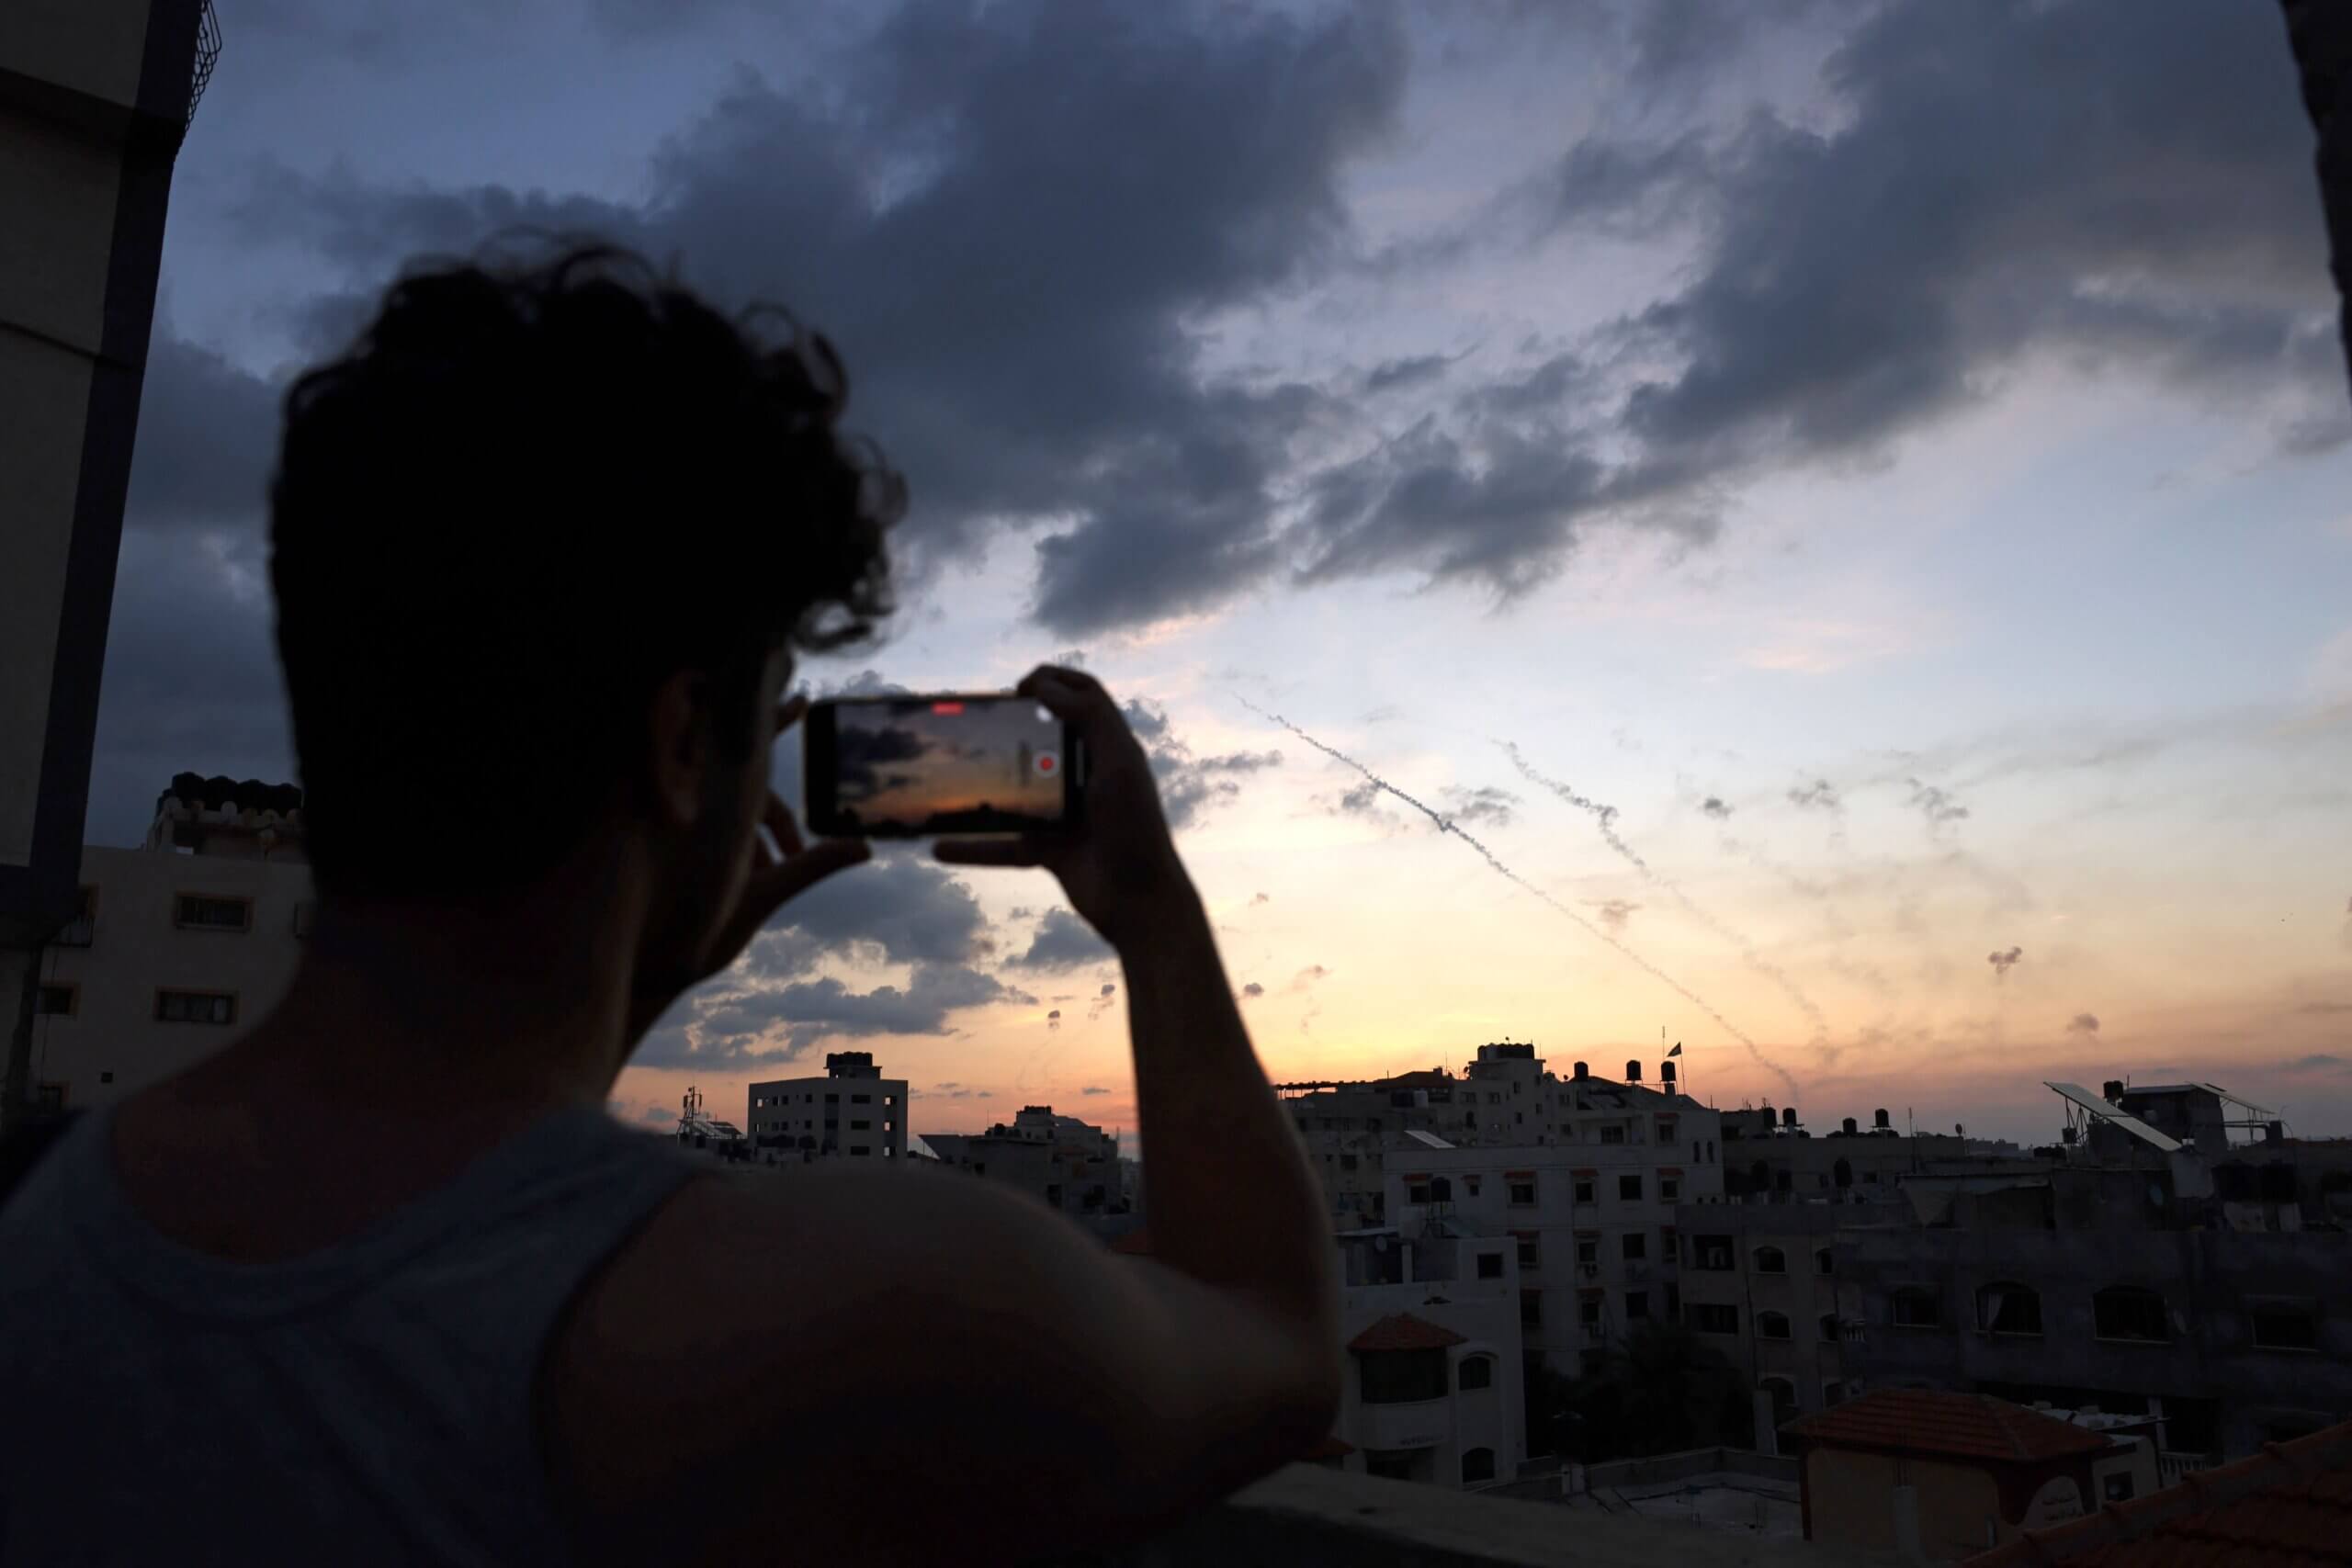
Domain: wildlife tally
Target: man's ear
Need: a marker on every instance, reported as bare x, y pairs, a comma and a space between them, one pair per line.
679, 753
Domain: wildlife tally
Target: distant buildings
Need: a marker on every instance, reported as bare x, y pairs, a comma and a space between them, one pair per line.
179, 943
1063, 1162
853, 1113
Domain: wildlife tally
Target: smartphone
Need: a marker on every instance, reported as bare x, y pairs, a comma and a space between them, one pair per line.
906, 767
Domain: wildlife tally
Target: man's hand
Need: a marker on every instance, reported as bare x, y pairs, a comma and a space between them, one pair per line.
1119, 866
781, 869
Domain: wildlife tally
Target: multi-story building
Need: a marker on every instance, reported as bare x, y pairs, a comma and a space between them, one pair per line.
179, 944
1760, 1282
1063, 1162
1591, 1210
1433, 1390
853, 1113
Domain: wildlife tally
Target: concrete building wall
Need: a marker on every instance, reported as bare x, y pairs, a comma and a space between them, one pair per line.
1872, 1502
1443, 1283
2217, 1288
849, 1118
112, 1041
1727, 1253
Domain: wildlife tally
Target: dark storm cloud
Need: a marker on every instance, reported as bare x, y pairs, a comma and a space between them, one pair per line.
1063, 941
896, 909
208, 436
1190, 784
1395, 375
1070, 187
764, 1027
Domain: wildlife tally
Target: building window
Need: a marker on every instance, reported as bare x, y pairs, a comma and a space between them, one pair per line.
2284, 1326
1710, 1254
1629, 1188
1588, 1312
1712, 1317
58, 1000
1475, 1372
1634, 1245
211, 912
1589, 1250
1522, 1194
1401, 1377
1584, 1189
1416, 1192
79, 930
1829, 1331
1771, 1326
2006, 1307
861, 1126
194, 1007
1470, 1183
2128, 1312
1825, 1262
1637, 1304
1669, 1187
832, 1100
860, 1100
1613, 1134
1914, 1307
1771, 1260
860, 1149
49, 1099
2117, 1487
1784, 1397
1530, 1309
1478, 1464
1490, 1266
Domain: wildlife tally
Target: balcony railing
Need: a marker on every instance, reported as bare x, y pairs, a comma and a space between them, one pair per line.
76, 932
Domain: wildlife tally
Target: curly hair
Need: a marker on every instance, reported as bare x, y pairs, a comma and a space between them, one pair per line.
531, 492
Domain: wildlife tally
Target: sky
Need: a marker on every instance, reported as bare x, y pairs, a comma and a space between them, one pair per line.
1818, 529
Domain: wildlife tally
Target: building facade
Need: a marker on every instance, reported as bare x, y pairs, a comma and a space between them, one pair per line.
1760, 1282
179, 946
853, 1113
1063, 1162
1591, 1213
1433, 1390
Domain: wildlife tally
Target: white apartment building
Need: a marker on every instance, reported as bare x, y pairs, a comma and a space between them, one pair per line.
180, 943
853, 1113
1591, 1210
1433, 1391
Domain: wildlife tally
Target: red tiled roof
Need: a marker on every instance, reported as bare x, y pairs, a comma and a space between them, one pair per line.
2289, 1507
1968, 1425
1403, 1331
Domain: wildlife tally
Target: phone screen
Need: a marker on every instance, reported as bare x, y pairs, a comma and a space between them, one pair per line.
910, 766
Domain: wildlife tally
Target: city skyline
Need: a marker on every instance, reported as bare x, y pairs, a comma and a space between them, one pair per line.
1867, 581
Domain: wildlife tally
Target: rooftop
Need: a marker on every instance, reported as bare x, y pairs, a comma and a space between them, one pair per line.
2288, 1506
1964, 1426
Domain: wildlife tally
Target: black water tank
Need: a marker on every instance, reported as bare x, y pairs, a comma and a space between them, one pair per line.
1789, 1116
1880, 1120
1665, 1072
2113, 1088
1582, 1072
1632, 1072
1851, 1127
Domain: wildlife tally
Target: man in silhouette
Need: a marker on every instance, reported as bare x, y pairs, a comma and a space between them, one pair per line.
382, 1280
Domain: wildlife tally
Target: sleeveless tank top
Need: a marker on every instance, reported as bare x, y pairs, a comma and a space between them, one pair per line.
369, 1403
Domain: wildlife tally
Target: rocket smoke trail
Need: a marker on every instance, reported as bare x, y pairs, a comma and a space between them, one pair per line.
1446, 825
1605, 816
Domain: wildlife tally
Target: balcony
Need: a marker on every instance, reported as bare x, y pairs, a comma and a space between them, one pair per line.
1308, 1516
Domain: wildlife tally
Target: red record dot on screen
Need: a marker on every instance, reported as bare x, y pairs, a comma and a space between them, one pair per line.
1047, 761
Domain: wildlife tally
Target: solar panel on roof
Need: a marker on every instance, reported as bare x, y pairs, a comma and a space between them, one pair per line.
1430, 1140
2108, 1112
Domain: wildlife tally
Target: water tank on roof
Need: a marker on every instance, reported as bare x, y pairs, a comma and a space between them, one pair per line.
1850, 1127
2111, 1089
1789, 1116
1632, 1072
1880, 1120
1582, 1072
1666, 1073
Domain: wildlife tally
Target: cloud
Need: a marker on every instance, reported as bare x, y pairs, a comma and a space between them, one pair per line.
1012, 219
2003, 962
2083, 1023
1396, 375
1818, 796
1484, 804
1092, 1090
770, 1026
1614, 913
1253, 989
1935, 805
2323, 1009
1714, 806
208, 438
898, 909
1062, 941
1054, 1018
656, 1116
2320, 1062
1188, 785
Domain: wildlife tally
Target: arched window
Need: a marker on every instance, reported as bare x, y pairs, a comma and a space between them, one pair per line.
1476, 1371
1829, 1332
1771, 1326
2008, 1307
1825, 1261
1784, 1397
2129, 1312
1771, 1260
1915, 1306
1842, 1173
1478, 1464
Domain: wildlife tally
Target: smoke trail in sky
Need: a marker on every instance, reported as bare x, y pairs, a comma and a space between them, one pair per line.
1447, 825
1606, 817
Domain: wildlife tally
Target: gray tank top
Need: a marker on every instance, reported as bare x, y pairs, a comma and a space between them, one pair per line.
370, 1403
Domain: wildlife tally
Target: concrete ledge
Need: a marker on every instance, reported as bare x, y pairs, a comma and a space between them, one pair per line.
1307, 1516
